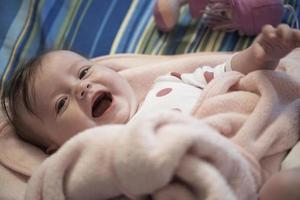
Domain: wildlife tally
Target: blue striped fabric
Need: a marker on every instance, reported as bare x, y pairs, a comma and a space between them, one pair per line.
100, 27
35, 26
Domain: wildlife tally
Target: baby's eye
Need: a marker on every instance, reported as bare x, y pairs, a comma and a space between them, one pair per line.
83, 72
60, 104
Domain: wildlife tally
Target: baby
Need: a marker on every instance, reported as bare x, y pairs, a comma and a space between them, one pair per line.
61, 93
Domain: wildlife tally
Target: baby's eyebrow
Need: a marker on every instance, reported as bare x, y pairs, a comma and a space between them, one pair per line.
78, 65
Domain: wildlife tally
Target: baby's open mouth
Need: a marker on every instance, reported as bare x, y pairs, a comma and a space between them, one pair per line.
101, 104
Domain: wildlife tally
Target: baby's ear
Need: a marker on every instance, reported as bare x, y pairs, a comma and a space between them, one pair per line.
166, 13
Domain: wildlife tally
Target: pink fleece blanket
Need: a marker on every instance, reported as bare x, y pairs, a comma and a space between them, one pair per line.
241, 129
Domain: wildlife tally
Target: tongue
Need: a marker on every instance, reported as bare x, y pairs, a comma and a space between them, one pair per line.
101, 107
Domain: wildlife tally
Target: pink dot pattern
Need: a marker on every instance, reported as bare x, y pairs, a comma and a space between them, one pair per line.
176, 74
208, 76
163, 92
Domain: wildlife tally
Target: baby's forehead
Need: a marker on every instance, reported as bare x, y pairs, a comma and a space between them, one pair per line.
55, 67
62, 55
61, 60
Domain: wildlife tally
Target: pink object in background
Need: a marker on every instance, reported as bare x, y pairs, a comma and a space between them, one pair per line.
166, 13
245, 16
197, 7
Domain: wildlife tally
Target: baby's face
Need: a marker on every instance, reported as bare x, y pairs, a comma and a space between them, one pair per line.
72, 94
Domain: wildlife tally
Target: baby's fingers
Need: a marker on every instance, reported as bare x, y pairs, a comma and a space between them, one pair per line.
269, 32
285, 35
296, 37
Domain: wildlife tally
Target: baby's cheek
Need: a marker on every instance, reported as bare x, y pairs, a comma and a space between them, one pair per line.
72, 124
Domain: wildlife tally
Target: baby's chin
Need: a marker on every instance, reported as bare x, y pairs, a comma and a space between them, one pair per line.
123, 117
126, 112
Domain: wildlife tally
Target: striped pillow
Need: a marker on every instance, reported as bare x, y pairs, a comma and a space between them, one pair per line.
94, 28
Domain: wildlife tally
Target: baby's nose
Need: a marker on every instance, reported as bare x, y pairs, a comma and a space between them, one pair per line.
82, 89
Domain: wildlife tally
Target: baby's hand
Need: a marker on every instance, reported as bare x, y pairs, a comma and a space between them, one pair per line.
274, 43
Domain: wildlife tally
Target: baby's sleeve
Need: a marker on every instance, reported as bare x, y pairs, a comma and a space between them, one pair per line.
200, 77
204, 74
